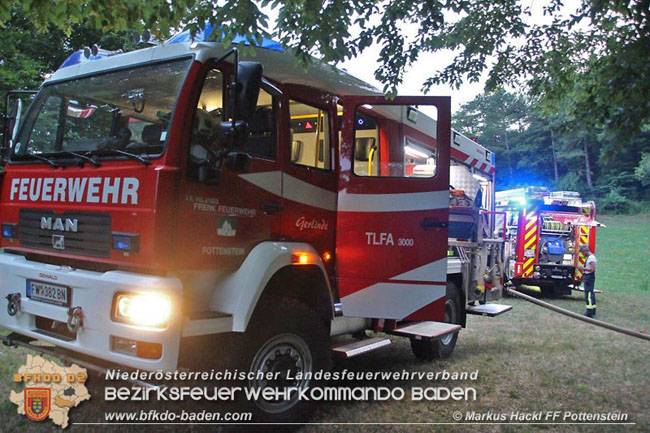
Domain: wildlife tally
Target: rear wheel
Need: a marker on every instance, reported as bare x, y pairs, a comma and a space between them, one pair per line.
547, 291
443, 347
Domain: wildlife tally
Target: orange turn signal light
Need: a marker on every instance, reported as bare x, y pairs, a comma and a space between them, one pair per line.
299, 258
149, 350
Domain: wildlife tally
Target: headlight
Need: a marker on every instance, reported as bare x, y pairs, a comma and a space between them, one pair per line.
142, 309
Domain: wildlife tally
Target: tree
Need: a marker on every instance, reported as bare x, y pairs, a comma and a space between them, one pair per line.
27, 54
642, 172
601, 49
558, 151
494, 117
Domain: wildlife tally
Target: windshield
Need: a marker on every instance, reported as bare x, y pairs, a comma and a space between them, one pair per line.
128, 110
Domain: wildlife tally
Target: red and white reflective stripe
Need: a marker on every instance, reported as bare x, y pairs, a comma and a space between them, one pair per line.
292, 188
401, 202
270, 181
465, 158
424, 272
403, 295
306, 193
391, 300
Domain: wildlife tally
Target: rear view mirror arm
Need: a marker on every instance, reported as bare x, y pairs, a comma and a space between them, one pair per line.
270, 88
7, 127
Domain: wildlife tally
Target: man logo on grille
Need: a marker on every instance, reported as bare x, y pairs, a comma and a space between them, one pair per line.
37, 403
68, 225
58, 242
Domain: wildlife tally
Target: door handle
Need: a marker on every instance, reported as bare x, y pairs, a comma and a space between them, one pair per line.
270, 208
433, 224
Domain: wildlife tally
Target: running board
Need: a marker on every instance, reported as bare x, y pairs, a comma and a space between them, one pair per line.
490, 310
348, 350
426, 330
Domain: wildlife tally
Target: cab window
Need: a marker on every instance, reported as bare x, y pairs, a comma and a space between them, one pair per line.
210, 113
388, 142
310, 136
262, 128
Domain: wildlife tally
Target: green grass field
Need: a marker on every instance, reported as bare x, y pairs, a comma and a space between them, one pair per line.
529, 359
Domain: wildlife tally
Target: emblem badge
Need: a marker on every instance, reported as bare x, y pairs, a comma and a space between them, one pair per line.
58, 242
226, 226
37, 403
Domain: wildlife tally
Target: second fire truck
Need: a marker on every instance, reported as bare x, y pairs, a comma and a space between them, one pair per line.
544, 231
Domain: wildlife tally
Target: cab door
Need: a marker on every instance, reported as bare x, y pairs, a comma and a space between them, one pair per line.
392, 213
223, 220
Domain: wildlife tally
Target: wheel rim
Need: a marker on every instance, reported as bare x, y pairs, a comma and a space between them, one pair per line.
281, 354
450, 317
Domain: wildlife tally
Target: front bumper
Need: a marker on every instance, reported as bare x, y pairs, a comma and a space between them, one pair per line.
93, 292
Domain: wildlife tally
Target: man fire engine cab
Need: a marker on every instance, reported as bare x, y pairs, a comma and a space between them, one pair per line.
174, 201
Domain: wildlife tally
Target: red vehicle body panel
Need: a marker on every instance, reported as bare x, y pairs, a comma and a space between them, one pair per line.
177, 219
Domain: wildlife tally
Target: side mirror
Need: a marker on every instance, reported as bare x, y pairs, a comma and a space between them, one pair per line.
14, 118
12, 121
238, 162
249, 82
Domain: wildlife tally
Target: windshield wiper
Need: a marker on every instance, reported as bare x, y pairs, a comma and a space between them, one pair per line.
142, 159
42, 158
91, 160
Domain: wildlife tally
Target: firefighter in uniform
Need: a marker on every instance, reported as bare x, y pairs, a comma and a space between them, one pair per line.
589, 280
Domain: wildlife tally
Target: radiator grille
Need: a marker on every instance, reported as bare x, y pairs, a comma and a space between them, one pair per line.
92, 238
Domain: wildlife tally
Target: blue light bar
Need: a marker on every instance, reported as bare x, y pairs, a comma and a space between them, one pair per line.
8, 230
204, 35
78, 57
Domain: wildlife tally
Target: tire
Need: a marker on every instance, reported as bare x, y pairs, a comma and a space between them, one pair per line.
549, 291
441, 348
563, 290
285, 335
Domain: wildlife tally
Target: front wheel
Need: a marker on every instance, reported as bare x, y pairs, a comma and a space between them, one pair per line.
289, 342
441, 348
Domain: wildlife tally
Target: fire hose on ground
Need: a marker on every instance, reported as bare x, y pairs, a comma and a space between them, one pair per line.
579, 316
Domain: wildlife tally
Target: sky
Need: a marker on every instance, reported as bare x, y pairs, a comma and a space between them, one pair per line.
364, 66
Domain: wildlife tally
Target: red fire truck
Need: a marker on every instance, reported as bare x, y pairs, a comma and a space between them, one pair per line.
174, 207
544, 232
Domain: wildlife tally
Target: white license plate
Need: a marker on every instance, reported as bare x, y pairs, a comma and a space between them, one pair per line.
50, 293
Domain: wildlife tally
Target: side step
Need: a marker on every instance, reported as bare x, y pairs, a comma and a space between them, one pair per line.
348, 350
426, 329
490, 310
